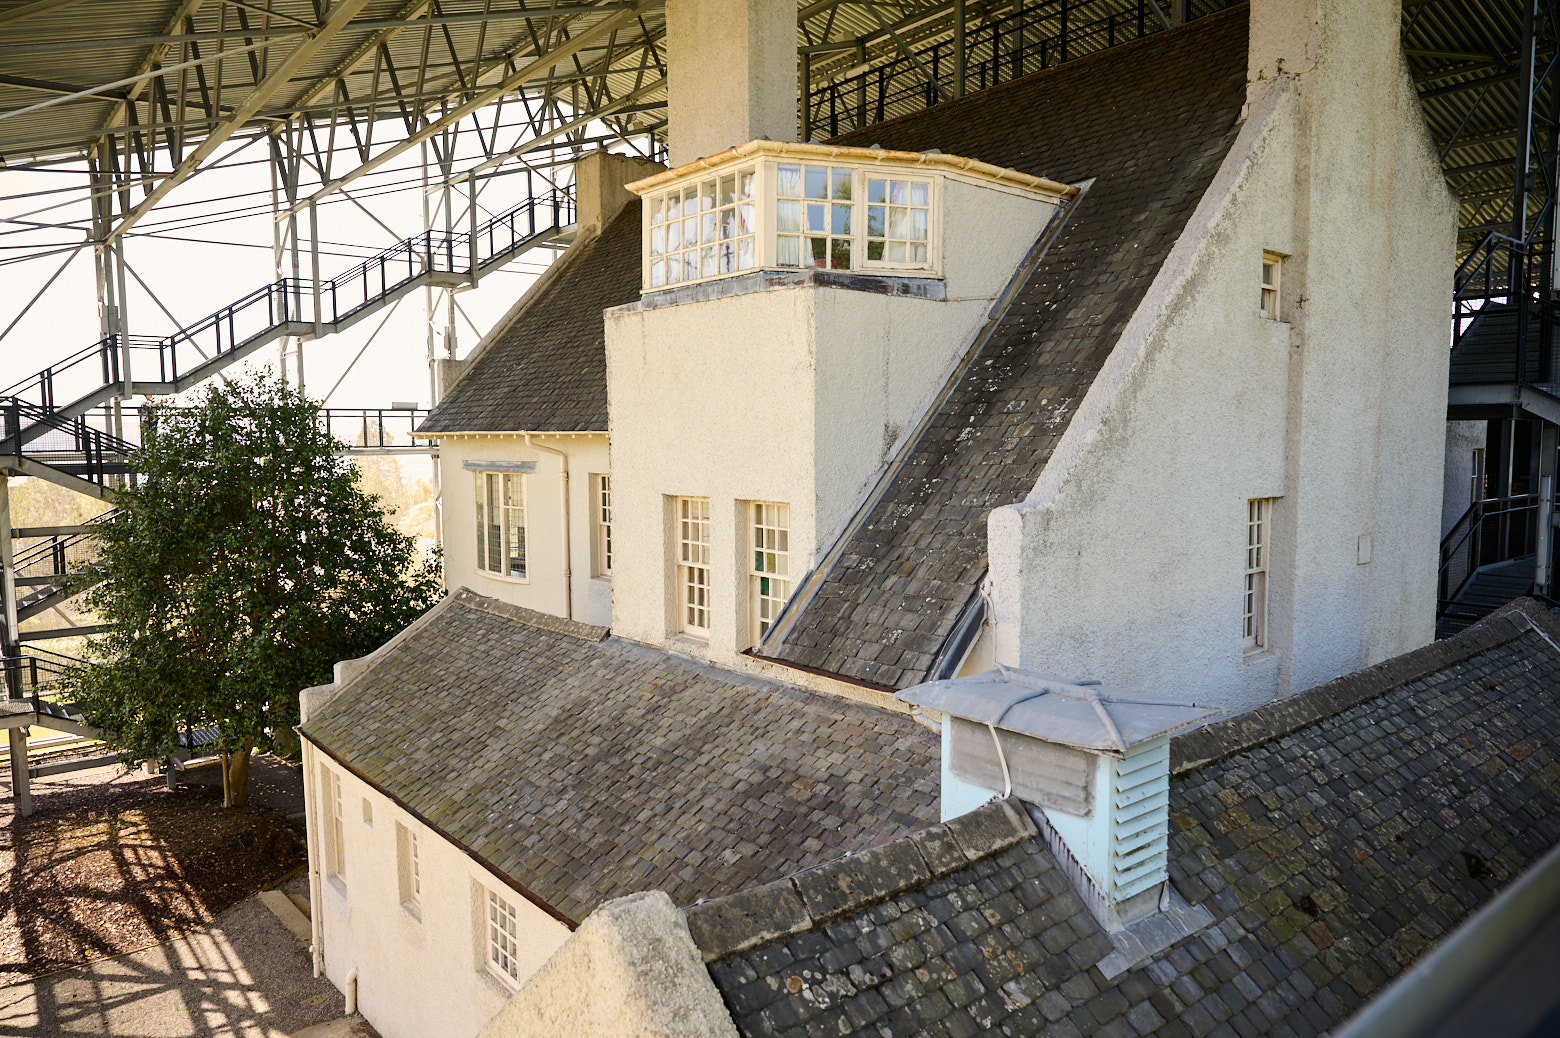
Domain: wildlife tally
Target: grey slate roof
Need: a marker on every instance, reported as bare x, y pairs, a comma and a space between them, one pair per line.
581, 767
1331, 856
1151, 122
547, 369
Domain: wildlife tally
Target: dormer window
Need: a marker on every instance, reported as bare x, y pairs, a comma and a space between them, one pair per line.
773, 206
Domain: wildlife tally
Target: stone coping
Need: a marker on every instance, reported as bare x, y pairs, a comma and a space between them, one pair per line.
546, 621
752, 918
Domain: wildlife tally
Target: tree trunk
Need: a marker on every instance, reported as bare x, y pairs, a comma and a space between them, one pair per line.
235, 778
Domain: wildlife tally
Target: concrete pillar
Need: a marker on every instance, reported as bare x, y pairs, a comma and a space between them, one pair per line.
731, 74
11, 646
21, 788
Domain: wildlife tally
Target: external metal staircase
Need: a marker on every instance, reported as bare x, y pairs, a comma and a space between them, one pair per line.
118, 366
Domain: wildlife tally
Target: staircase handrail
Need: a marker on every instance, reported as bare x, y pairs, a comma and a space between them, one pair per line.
285, 300
33, 669
1465, 533
54, 547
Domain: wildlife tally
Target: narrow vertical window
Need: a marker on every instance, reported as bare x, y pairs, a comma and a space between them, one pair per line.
1272, 265
693, 565
500, 510
770, 575
601, 517
503, 938
1255, 606
335, 836
1476, 484
408, 867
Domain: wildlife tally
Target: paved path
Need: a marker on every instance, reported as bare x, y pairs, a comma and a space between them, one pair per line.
241, 975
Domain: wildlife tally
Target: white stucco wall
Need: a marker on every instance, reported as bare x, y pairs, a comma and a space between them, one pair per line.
1462, 439
543, 588
421, 971
1126, 562
793, 394
731, 74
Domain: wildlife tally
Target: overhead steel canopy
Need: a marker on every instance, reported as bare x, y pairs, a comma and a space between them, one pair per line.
165, 82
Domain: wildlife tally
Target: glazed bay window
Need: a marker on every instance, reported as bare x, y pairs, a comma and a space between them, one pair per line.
703, 229
770, 575
500, 515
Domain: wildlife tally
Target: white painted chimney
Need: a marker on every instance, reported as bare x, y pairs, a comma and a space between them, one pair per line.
731, 74
1094, 764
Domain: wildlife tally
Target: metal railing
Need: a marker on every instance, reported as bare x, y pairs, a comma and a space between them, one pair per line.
1490, 531
377, 428
1028, 40
1483, 287
71, 445
53, 558
288, 306
30, 673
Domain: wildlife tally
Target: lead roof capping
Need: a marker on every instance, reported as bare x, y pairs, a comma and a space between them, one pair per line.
763, 156
1087, 717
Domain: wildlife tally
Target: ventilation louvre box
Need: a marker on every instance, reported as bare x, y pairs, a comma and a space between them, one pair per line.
1042, 772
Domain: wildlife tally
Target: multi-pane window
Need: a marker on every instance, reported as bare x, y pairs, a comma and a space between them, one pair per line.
1255, 603
501, 523
335, 852
601, 517
503, 937
815, 216
770, 575
899, 214
409, 864
693, 565
1272, 265
704, 229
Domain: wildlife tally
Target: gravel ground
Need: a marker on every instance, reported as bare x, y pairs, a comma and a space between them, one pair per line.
242, 974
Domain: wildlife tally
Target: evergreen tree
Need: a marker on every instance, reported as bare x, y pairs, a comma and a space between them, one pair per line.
249, 559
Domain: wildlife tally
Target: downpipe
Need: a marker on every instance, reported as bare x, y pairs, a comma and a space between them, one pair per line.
351, 993
568, 571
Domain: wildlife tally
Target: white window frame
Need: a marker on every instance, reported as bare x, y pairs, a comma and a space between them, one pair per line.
408, 867
502, 938
694, 577
601, 522
1254, 595
1272, 285
769, 564
505, 488
756, 222
335, 828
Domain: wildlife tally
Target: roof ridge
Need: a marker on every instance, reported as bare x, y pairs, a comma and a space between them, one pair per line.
530, 617
812, 897
1223, 739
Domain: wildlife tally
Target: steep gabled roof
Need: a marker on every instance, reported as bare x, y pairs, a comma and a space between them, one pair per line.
1150, 122
1331, 856
581, 767
546, 369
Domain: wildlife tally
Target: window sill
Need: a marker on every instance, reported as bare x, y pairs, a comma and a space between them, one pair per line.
502, 983
336, 894
684, 640
413, 909
1258, 654
506, 578
925, 286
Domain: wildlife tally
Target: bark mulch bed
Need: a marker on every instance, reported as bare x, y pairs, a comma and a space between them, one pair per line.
101, 870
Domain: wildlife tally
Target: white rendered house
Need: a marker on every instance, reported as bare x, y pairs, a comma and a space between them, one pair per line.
1079, 374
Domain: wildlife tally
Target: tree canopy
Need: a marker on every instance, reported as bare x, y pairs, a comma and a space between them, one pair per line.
247, 561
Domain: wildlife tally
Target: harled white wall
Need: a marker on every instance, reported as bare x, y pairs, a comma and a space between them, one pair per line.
1126, 562
543, 588
421, 970
793, 394
1462, 439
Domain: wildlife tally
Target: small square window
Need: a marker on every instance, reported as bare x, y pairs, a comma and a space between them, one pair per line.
1272, 267
368, 812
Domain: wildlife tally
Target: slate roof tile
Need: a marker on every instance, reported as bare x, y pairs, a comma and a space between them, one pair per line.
1331, 855
546, 370
1150, 122
585, 768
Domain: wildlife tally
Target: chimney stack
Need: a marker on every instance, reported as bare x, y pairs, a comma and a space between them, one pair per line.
731, 74
1092, 764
